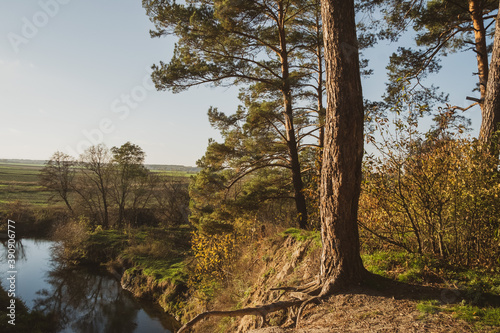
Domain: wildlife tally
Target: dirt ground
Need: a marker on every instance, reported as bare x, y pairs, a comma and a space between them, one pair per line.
363, 313
392, 309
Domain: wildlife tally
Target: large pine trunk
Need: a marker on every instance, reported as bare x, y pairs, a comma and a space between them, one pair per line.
491, 107
341, 263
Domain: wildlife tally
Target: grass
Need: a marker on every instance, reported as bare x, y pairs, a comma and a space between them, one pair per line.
470, 285
401, 266
409, 268
156, 252
429, 306
172, 270
480, 317
177, 174
303, 235
19, 182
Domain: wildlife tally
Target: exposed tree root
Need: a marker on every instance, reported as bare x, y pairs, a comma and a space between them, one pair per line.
261, 311
303, 306
305, 295
312, 292
310, 289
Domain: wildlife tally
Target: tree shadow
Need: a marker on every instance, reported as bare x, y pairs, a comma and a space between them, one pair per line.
376, 285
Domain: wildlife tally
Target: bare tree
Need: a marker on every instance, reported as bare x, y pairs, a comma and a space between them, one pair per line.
96, 173
58, 176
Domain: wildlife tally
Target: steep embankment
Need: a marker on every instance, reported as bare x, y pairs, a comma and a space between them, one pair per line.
423, 300
285, 259
427, 304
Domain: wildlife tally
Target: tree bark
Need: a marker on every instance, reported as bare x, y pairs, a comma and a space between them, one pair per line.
491, 107
341, 263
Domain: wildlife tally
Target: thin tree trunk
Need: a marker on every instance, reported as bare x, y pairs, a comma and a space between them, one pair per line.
491, 107
298, 185
341, 263
66, 201
105, 204
476, 12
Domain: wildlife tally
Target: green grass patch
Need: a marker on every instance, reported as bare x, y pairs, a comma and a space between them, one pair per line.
19, 182
162, 269
401, 266
155, 252
175, 174
110, 238
303, 235
480, 316
429, 307
471, 283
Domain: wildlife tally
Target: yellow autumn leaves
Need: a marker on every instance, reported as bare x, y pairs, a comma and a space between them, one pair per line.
214, 255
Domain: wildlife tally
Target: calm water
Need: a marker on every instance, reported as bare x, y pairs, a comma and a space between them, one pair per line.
85, 301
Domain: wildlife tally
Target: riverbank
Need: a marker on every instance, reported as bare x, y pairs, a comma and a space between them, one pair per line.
409, 293
149, 262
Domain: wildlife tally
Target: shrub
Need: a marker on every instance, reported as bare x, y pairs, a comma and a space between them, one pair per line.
433, 195
214, 255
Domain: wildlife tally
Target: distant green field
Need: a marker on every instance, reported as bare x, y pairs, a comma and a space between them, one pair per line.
19, 182
185, 174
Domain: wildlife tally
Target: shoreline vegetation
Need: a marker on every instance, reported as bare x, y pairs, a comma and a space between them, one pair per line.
187, 274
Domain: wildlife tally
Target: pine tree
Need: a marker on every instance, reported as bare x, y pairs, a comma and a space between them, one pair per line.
257, 43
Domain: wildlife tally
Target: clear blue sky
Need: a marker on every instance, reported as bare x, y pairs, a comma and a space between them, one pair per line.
76, 73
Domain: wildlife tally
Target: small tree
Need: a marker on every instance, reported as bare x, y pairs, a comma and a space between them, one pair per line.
58, 175
128, 174
95, 182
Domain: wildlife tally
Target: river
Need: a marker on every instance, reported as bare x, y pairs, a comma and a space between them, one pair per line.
85, 300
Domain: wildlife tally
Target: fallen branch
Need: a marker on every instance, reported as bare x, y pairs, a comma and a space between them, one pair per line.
261, 311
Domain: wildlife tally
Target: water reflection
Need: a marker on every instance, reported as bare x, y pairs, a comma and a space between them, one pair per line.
87, 302
84, 300
20, 251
